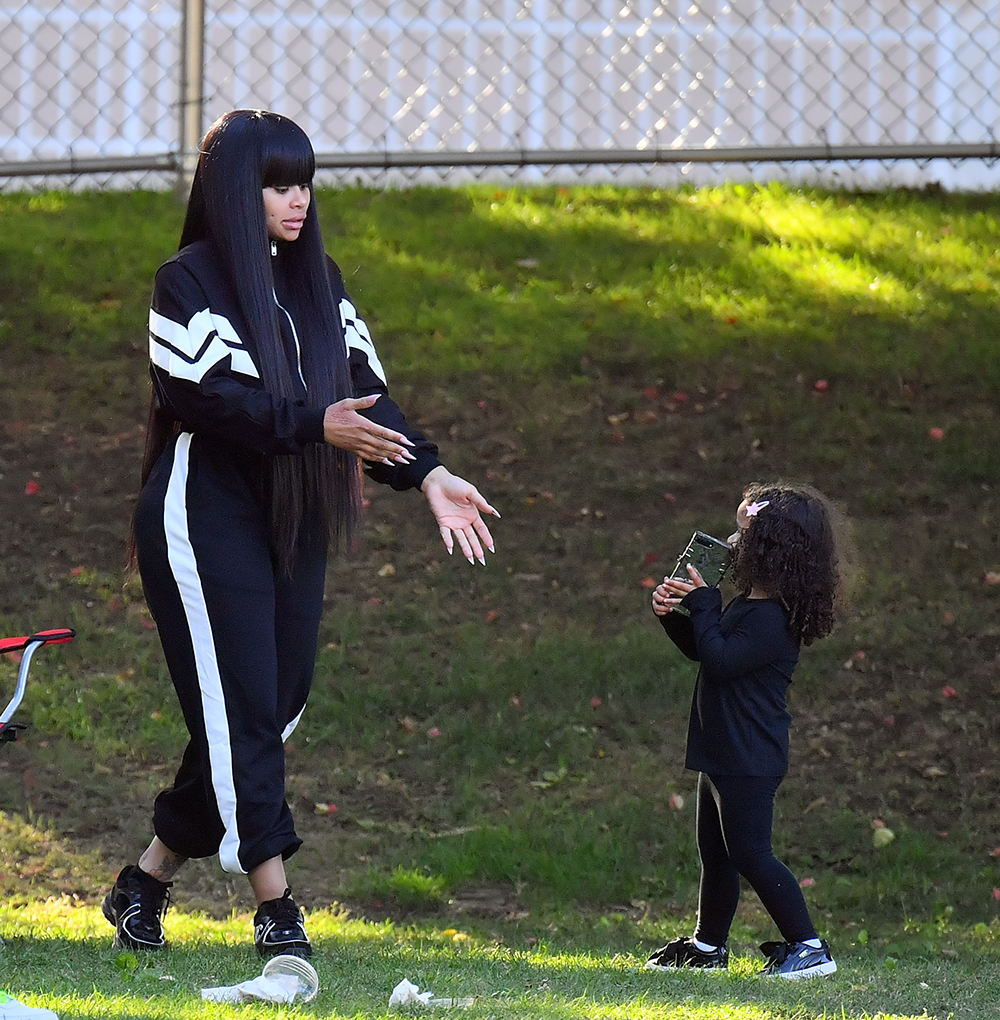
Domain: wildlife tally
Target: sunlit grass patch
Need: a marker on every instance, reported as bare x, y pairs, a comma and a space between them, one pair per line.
58, 955
504, 748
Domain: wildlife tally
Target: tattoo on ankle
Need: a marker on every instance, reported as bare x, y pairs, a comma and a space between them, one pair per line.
166, 869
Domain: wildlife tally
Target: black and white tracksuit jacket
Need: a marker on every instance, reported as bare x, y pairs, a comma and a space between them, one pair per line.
238, 635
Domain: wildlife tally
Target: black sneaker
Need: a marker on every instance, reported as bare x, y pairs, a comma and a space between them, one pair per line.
279, 929
794, 960
683, 952
135, 905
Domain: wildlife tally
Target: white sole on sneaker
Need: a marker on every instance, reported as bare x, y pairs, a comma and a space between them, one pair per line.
820, 970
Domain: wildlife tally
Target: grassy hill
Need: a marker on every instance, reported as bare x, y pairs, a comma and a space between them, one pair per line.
505, 745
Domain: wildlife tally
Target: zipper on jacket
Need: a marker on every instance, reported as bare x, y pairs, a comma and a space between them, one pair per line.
295, 337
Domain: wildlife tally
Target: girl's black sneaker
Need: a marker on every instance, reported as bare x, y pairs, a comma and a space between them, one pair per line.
794, 960
683, 952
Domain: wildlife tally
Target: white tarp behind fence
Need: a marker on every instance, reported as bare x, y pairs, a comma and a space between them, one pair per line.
100, 80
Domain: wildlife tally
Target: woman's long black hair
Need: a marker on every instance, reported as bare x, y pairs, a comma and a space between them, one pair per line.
797, 550
244, 152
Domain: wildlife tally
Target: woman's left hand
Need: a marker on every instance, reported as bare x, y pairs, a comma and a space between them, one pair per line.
456, 504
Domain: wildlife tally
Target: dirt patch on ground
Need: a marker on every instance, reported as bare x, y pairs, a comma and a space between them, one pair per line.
584, 482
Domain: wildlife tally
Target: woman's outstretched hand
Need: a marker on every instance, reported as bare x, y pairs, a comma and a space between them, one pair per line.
456, 504
344, 427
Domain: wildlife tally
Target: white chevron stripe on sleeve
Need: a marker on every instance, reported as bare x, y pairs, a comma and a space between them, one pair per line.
191, 351
357, 336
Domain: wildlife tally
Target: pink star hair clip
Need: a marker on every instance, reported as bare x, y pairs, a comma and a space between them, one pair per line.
755, 508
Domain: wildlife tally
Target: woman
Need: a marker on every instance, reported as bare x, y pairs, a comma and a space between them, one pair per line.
266, 392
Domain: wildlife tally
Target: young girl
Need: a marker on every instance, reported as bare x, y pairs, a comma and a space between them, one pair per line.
787, 573
268, 395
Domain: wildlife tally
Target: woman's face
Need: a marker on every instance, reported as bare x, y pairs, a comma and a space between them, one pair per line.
285, 211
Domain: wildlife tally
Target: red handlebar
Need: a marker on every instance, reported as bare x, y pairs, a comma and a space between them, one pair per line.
43, 637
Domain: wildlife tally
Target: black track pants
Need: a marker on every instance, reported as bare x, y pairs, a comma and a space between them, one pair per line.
240, 643
735, 815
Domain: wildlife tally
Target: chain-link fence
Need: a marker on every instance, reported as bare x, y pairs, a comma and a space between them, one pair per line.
890, 91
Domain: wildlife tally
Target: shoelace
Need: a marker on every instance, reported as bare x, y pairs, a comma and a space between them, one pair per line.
153, 907
776, 952
283, 912
286, 911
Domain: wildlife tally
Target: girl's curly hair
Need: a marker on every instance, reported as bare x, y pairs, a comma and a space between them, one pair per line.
796, 549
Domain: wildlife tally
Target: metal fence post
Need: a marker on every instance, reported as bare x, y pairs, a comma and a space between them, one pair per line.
192, 91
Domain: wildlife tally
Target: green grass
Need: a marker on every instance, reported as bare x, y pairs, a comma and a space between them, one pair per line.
57, 955
610, 366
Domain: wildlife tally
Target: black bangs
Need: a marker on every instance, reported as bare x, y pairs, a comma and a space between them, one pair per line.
287, 155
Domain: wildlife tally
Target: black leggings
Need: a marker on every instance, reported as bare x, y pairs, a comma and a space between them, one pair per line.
734, 838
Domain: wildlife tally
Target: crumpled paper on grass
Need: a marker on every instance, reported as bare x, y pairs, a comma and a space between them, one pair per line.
282, 988
407, 992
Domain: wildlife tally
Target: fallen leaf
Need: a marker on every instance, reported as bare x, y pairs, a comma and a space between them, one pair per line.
882, 838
